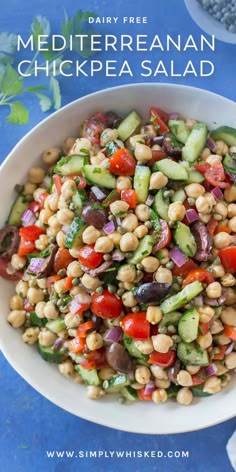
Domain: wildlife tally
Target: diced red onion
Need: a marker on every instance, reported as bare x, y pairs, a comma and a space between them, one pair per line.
118, 256
109, 228
27, 218
232, 176
191, 215
149, 200
211, 370
98, 193
177, 256
173, 116
100, 269
113, 335
65, 228
58, 344
211, 144
149, 388
80, 299
229, 348
36, 265
217, 193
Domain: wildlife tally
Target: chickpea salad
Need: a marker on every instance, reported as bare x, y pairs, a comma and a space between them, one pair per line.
123, 249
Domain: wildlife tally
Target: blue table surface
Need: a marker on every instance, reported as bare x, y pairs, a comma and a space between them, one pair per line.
31, 425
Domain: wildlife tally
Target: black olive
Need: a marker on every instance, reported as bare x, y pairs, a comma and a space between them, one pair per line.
152, 293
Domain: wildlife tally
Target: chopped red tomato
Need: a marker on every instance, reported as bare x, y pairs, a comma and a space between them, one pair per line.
81, 307
216, 176
228, 258
163, 238
57, 183
98, 356
220, 355
142, 395
188, 266
122, 162
68, 282
26, 247
204, 327
163, 359
77, 345
89, 365
31, 233
203, 167
34, 207
27, 305
159, 117
3, 271
136, 325
84, 328
230, 331
201, 275
81, 184
156, 156
211, 226
93, 127
106, 305
51, 281
196, 380
129, 196
222, 229
88, 257
62, 259
42, 198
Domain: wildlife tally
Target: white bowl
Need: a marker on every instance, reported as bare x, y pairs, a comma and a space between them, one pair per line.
209, 24
140, 417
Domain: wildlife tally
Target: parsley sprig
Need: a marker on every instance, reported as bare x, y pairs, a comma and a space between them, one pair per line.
13, 86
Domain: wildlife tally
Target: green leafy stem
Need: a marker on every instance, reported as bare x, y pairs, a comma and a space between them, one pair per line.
13, 85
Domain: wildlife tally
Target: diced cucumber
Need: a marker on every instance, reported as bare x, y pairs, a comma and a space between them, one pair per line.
74, 234
56, 325
173, 170
172, 391
36, 321
195, 142
79, 200
129, 393
19, 205
192, 354
90, 377
179, 196
49, 355
154, 218
194, 177
197, 391
161, 204
128, 126
70, 164
182, 298
99, 176
143, 250
111, 148
226, 134
188, 325
116, 383
132, 349
184, 239
141, 182
170, 319
229, 163
179, 129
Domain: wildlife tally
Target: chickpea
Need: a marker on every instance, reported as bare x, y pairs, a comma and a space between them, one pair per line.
221, 148
205, 154
190, 123
16, 303
44, 216
206, 313
62, 204
231, 210
184, 378
214, 290
50, 311
142, 375
106, 373
98, 159
68, 189
203, 205
126, 273
29, 188
82, 143
162, 383
232, 149
204, 218
221, 209
39, 309
30, 335
54, 222
94, 392
230, 296
130, 222
150, 264
194, 190
164, 276
74, 252
162, 343
72, 321
94, 341
222, 240
51, 156
21, 288
16, 318
163, 256
228, 316
159, 396
59, 286
108, 135
230, 360
67, 145
91, 283
65, 217
184, 396
66, 368
230, 194
42, 242
129, 300
176, 211
154, 314
90, 235
18, 262
141, 231
232, 224
145, 347
128, 242
35, 295
74, 269
158, 180
142, 212
214, 159
123, 183
115, 237
148, 131
212, 385
223, 340
218, 271
221, 369
135, 139
119, 208
205, 340
36, 175
128, 285
193, 369
158, 372
46, 338
216, 327
142, 153
104, 244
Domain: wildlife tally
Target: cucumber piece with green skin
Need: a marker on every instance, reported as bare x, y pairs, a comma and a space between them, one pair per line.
132, 349
179, 129
111, 148
192, 354
99, 176
184, 239
19, 205
141, 182
56, 325
229, 163
179, 196
90, 377
197, 391
188, 325
173, 170
182, 298
129, 393
49, 355
36, 321
170, 319
194, 177
70, 164
161, 204
226, 134
116, 383
144, 249
195, 143
79, 200
74, 234
128, 126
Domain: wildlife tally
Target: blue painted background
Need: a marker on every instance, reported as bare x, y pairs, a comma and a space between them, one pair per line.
30, 424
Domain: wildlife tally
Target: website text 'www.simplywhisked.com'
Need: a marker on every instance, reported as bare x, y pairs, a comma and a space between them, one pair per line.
117, 454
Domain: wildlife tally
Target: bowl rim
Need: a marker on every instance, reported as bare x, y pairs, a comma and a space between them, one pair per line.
20, 370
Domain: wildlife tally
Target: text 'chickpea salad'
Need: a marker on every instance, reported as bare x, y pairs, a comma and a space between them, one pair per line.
124, 256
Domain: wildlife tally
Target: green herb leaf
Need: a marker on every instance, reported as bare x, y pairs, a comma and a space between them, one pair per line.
35, 88
67, 26
8, 44
78, 21
44, 101
11, 83
56, 93
19, 115
40, 26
